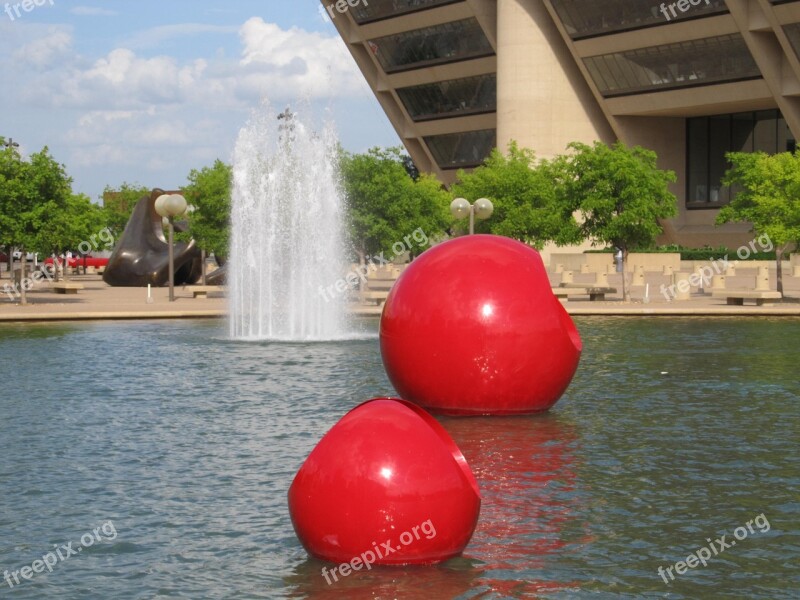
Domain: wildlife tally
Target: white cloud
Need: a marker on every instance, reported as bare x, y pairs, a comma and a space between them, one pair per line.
92, 11
156, 36
309, 64
128, 110
45, 50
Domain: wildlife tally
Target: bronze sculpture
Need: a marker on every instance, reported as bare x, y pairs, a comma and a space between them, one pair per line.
141, 254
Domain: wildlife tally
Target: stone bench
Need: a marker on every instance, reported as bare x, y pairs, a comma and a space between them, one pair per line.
67, 287
737, 297
202, 291
379, 297
380, 285
567, 290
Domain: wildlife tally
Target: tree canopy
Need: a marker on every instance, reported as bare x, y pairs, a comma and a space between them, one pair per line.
118, 204
209, 192
766, 193
385, 204
74, 225
38, 211
618, 193
524, 198
35, 200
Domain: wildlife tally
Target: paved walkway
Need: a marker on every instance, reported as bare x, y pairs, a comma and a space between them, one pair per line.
98, 301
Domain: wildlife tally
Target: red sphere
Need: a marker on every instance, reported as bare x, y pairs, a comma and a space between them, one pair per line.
472, 327
386, 485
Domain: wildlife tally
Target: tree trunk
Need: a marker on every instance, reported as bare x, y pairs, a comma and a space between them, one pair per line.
23, 298
626, 292
362, 261
779, 257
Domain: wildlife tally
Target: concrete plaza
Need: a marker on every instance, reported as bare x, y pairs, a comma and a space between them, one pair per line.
98, 301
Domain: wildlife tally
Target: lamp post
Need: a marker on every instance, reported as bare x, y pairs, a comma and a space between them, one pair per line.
10, 143
169, 206
460, 208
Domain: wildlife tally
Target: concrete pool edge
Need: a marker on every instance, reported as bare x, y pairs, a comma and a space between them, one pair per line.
594, 311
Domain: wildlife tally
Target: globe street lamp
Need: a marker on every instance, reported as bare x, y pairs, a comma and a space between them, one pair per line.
11, 144
170, 206
460, 208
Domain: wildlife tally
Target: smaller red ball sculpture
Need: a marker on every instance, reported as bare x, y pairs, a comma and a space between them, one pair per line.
472, 327
386, 485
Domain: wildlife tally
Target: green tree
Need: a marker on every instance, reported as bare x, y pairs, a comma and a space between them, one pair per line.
209, 192
523, 196
77, 222
618, 193
767, 195
118, 204
385, 204
33, 193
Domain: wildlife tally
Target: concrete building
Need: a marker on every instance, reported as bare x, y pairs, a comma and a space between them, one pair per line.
690, 79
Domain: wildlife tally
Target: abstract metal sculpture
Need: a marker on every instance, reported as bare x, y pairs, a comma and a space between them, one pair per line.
141, 255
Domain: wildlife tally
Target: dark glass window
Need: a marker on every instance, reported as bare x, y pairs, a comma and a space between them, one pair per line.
452, 98
671, 66
793, 33
449, 42
710, 138
385, 9
587, 18
465, 149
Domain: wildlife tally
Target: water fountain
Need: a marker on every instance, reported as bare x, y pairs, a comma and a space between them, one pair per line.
287, 233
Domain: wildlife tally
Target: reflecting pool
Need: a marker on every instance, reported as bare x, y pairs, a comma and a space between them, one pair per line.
674, 433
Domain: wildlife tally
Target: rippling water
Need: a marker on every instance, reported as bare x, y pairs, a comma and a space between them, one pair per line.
674, 431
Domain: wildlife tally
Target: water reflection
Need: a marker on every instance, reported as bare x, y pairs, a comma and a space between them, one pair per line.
449, 580
526, 467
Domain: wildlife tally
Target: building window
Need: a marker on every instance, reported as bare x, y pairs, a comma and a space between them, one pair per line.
462, 150
793, 33
671, 66
708, 139
454, 98
449, 42
386, 9
588, 18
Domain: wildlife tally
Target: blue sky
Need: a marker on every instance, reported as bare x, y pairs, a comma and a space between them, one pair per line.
144, 91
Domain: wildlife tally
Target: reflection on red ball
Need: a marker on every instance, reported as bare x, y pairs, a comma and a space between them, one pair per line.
386, 485
472, 327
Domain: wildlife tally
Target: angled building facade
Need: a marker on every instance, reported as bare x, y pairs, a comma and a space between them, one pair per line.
690, 79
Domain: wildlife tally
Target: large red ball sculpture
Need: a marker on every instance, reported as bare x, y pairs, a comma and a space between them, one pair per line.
472, 327
386, 485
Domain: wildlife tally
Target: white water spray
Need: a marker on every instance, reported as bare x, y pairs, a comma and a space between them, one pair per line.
287, 218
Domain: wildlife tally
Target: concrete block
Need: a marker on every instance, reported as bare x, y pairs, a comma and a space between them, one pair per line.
762, 279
